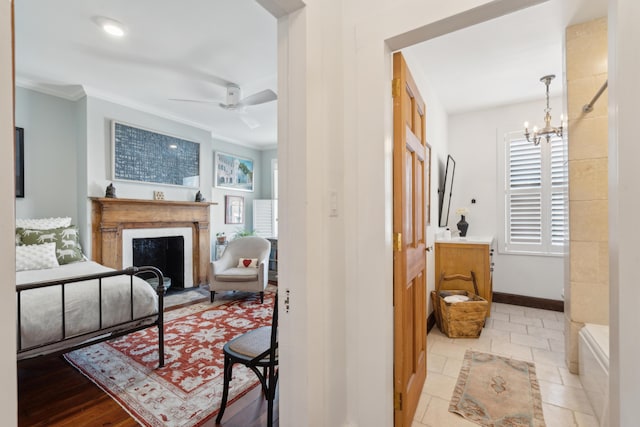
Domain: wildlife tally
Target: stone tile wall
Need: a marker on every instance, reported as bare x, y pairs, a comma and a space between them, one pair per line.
587, 281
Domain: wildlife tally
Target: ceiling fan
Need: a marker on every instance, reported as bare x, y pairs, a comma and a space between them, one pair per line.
234, 102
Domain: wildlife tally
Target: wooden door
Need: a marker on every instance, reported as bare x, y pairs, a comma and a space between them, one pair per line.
410, 189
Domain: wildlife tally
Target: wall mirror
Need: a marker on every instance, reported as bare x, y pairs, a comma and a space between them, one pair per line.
445, 192
234, 210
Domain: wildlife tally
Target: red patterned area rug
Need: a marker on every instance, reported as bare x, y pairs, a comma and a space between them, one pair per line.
495, 391
188, 389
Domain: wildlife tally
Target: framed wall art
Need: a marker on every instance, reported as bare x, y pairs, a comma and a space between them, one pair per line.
144, 155
233, 210
19, 146
233, 172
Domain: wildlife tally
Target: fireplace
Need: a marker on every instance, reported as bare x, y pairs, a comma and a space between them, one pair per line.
116, 222
169, 249
164, 253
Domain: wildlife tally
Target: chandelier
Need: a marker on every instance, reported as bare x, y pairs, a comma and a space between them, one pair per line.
548, 131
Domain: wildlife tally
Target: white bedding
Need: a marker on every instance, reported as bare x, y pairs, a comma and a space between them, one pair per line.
41, 321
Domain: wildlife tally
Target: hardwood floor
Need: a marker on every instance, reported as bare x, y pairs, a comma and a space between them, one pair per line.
53, 393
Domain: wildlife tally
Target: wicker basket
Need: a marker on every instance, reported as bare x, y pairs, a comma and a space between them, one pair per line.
461, 319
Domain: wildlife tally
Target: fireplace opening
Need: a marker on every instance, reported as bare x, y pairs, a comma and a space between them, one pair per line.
164, 253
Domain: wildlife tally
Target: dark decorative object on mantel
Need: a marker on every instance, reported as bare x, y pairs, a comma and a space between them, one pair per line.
199, 197
463, 226
111, 192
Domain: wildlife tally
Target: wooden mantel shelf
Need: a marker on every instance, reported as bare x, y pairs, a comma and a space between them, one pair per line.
109, 216
149, 201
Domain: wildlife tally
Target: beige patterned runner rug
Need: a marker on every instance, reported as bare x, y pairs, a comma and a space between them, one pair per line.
496, 391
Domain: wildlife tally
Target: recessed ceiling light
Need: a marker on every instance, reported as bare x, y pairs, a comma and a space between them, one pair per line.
110, 26
174, 146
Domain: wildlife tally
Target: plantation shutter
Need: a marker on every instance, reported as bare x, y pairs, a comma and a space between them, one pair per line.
535, 188
525, 193
559, 183
264, 218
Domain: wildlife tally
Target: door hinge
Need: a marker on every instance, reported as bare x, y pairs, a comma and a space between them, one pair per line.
397, 401
398, 242
395, 87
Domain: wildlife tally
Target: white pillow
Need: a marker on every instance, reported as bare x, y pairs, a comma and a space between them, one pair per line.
43, 223
36, 257
247, 262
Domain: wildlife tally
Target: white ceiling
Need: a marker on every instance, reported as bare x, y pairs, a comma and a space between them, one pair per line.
187, 48
501, 61
173, 49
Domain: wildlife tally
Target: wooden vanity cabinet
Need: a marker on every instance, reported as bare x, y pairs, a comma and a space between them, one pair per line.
460, 257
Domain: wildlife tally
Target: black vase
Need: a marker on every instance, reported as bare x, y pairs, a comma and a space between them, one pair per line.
463, 226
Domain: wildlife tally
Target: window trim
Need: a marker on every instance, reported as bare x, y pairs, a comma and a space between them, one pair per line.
274, 179
546, 248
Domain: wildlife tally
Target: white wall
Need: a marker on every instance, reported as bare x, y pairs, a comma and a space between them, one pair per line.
9, 389
266, 177
336, 112
624, 205
50, 141
476, 141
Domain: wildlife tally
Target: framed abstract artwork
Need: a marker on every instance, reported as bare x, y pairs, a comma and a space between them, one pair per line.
233, 172
144, 155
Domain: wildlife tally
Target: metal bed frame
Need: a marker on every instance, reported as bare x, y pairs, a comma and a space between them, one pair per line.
101, 334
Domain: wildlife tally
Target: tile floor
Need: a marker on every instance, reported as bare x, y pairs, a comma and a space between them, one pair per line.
522, 333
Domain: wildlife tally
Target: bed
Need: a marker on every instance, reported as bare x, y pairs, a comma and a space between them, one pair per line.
65, 302
99, 303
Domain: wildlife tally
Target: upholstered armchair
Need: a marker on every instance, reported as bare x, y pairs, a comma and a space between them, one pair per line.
242, 266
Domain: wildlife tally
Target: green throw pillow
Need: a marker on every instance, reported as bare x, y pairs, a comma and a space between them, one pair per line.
66, 239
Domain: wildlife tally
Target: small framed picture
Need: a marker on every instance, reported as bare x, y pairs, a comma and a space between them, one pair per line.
19, 141
234, 210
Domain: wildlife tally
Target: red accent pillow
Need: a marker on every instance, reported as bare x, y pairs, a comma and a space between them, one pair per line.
248, 263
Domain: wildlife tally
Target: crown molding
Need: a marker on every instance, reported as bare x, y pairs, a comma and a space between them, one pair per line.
68, 92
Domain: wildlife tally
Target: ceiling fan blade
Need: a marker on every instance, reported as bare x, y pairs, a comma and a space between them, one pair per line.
249, 121
266, 95
201, 101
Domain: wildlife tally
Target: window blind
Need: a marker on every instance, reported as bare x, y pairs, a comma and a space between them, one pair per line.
536, 181
265, 217
525, 200
559, 183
